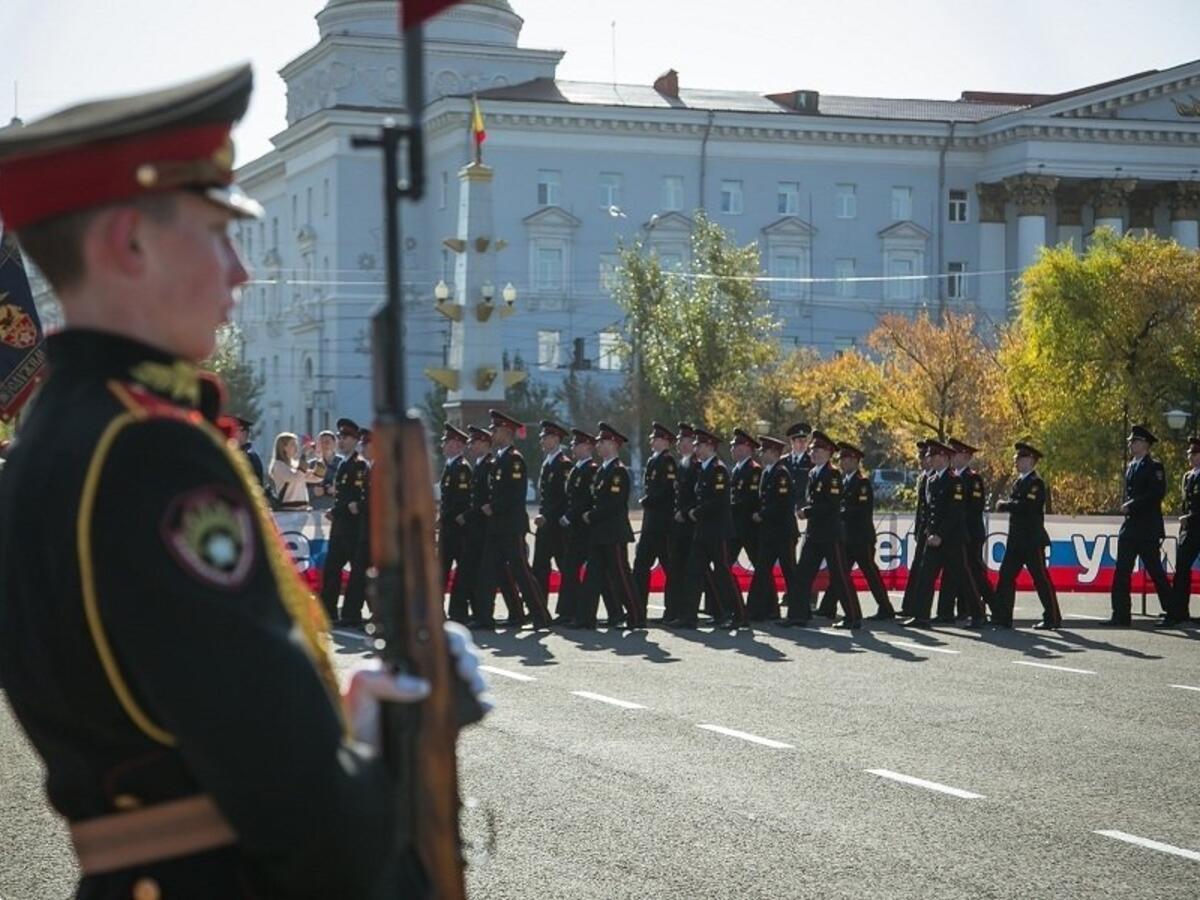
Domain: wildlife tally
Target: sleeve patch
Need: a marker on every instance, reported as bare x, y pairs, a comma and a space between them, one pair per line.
210, 533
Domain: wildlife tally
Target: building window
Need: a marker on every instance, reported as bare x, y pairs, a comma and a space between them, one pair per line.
308, 217
295, 212
608, 270
447, 267
843, 345
444, 191
847, 201
672, 193
275, 367
610, 351
549, 349
843, 269
549, 273
958, 206
670, 260
549, 187
610, 190
325, 198
788, 203
731, 198
956, 284
274, 232
901, 204
787, 266
901, 285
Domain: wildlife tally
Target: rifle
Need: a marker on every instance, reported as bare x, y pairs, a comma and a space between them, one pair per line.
419, 739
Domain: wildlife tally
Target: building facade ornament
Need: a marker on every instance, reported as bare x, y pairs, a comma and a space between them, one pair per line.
992, 200
1070, 200
1108, 196
1183, 199
1033, 194
1141, 207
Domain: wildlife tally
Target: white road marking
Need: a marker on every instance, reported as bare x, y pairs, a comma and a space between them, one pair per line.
1082, 616
505, 673
624, 704
928, 785
923, 647
1184, 687
1151, 845
752, 738
841, 632
1022, 662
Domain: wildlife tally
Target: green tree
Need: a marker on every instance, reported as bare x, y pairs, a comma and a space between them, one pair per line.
242, 386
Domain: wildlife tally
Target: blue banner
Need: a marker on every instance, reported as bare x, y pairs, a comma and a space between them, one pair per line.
22, 353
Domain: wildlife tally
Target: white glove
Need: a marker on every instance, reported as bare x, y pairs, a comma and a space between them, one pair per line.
369, 686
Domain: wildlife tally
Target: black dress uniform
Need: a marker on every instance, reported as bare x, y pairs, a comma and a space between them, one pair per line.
550, 541
1188, 547
708, 561
824, 542
609, 536
504, 550
1141, 534
858, 525
744, 482
579, 501
920, 530
658, 511
682, 531
975, 595
799, 465
465, 599
347, 521
778, 534
454, 504
356, 586
1026, 546
945, 501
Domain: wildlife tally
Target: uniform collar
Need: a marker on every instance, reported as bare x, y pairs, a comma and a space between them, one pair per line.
552, 456
455, 458
816, 470
708, 462
609, 462
580, 463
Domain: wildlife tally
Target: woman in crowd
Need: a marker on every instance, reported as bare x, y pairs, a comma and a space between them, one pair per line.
290, 475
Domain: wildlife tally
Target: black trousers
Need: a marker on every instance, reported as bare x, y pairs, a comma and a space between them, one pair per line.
861, 554
1130, 548
505, 553
1018, 556
947, 560
679, 550
571, 587
976, 595
708, 565
549, 543
464, 602
451, 541
914, 570
356, 587
652, 546
343, 548
608, 575
762, 603
813, 552
1185, 554
746, 539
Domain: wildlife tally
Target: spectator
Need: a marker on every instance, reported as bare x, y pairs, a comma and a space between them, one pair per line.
242, 439
320, 496
289, 474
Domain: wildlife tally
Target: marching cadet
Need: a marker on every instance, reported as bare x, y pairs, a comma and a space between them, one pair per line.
799, 461
1141, 533
945, 534
823, 541
1188, 547
1027, 542
504, 550
453, 506
682, 527
158, 646
609, 536
356, 586
776, 518
465, 595
920, 526
709, 558
550, 540
743, 495
858, 525
346, 523
975, 594
658, 508
579, 501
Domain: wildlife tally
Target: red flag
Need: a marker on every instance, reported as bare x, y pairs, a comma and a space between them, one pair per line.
414, 12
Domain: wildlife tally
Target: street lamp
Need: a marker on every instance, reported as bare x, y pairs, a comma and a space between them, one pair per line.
510, 300
1177, 419
441, 293
441, 297
763, 426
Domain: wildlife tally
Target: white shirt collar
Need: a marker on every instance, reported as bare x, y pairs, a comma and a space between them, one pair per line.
608, 462
454, 459
552, 456
705, 464
816, 470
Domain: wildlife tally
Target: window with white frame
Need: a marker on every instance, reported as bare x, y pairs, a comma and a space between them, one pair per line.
788, 198
549, 349
847, 201
956, 284
325, 198
901, 204
610, 189
671, 260
549, 272
786, 268
447, 267
608, 269
549, 187
672, 193
843, 271
900, 285
444, 191
958, 206
731, 197
610, 351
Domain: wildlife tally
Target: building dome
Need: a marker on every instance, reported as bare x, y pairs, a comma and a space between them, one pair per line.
473, 21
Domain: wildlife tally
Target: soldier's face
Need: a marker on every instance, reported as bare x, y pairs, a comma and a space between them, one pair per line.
848, 463
770, 457
658, 445
819, 455
1024, 464
582, 450
1138, 447
608, 449
686, 446
960, 460
739, 451
549, 443
799, 445
347, 443
452, 448
705, 450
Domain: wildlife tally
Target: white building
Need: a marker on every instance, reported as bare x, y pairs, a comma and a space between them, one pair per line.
832, 187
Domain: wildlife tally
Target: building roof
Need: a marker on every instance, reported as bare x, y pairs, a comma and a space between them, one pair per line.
591, 93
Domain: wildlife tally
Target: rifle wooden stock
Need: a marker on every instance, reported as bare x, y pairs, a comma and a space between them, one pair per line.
419, 741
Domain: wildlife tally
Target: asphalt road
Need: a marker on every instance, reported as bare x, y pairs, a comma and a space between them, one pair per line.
781, 763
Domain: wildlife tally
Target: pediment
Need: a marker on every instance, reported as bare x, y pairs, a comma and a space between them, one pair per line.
789, 227
669, 222
552, 218
1171, 95
905, 231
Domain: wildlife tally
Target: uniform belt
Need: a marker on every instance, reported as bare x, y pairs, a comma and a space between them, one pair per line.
149, 835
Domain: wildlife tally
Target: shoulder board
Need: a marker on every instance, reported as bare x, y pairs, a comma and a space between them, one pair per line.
144, 404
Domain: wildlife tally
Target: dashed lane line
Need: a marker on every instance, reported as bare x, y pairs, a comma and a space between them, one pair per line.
1184, 687
1037, 665
917, 646
927, 785
612, 701
1083, 616
745, 736
505, 673
1150, 845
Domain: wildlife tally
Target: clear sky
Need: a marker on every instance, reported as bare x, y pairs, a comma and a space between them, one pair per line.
62, 51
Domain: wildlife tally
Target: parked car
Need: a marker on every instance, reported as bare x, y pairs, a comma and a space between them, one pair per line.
885, 482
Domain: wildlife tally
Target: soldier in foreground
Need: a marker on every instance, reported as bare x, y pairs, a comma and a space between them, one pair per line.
550, 540
1027, 542
156, 642
920, 523
778, 533
453, 505
609, 536
1189, 540
579, 501
658, 508
1141, 534
945, 532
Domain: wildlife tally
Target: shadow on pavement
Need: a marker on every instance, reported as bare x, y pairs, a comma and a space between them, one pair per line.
619, 642
861, 641
526, 646
742, 641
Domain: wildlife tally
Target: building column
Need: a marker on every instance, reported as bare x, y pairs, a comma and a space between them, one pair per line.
1108, 202
1034, 196
1141, 211
1070, 216
993, 289
1183, 198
